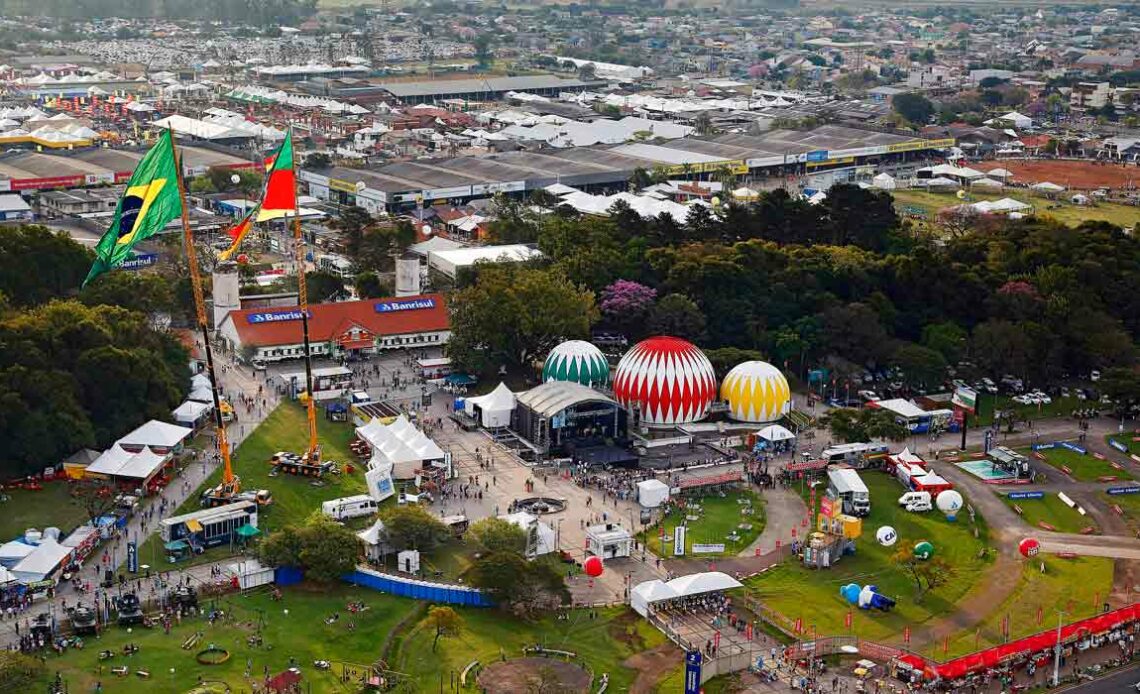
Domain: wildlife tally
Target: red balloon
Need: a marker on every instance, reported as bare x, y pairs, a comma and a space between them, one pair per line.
1029, 547
593, 567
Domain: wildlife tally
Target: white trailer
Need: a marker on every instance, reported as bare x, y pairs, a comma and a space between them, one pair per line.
845, 485
350, 507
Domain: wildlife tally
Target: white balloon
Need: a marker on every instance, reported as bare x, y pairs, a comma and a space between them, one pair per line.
427, 230
949, 502
886, 536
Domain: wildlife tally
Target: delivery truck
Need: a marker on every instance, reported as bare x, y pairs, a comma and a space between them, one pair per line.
845, 486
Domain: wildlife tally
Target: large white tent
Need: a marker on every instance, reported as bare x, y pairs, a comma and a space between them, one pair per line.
775, 432
884, 181
190, 412
645, 594
543, 539
401, 445
494, 409
6, 576
12, 553
123, 464
42, 562
652, 493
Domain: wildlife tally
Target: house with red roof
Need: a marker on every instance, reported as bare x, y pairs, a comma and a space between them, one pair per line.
339, 329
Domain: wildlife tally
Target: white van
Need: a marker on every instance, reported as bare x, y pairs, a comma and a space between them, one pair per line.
916, 502
349, 507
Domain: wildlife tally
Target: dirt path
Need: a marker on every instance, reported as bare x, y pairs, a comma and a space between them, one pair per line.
652, 666
783, 510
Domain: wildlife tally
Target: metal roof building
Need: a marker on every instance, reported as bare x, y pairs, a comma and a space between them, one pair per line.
483, 89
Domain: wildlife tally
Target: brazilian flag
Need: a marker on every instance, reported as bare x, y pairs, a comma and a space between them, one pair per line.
150, 202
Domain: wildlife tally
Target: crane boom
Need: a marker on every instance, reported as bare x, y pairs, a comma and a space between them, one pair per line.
231, 485
313, 454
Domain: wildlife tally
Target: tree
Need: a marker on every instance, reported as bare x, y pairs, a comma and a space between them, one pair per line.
677, 315
323, 286
444, 621
148, 292
627, 303
59, 264
862, 217
915, 108
863, 425
927, 574
281, 547
948, 339
368, 285
412, 527
20, 672
515, 313
523, 587
329, 550
353, 220
498, 535
587, 72
921, 366
703, 124
1122, 386
855, 332
318, 160
96, 497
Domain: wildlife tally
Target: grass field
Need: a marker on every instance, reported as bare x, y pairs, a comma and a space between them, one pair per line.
1065, 212
1072, 585
486, 636
1050, 510
294, 498
1130, 504
50, 507
1059, 407
1085, 468
813, 595
719, 517
1131, 439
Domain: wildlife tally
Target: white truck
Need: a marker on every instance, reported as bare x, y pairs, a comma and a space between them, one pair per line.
845, 486
349, 507
916, 502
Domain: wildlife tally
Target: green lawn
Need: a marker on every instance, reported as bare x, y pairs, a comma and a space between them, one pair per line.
1131, 439
719, 516
813, 595
1072, 585
301, 634
294, 498
52, 506
602, 643
1059, 407
1130, 504
1085, 468
1067, 213
1051, 510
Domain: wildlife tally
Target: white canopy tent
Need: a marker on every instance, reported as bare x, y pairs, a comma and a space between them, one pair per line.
6, 576
190, 412
121, 463
775, 433
1047, 187
652, 493
884, 181
1000, 173
374, 539
42, 562
494, 409
12, 553
156, 435
401, 445
986, 183
645, 594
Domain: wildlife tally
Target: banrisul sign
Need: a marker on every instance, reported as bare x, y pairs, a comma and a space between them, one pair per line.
409, 305
276, 316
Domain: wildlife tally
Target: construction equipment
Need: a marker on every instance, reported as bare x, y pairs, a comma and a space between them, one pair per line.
309, 462
230, 485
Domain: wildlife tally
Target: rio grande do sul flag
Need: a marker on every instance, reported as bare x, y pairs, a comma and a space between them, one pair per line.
237, 232
150, 202
280, 197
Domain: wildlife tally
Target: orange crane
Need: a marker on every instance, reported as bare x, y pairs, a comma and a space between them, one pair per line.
229, 489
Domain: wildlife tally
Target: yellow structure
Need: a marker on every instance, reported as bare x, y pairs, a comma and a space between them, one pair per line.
756, 392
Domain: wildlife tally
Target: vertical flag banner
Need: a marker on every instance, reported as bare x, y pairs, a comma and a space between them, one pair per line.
150, 202
280, 197
238, 232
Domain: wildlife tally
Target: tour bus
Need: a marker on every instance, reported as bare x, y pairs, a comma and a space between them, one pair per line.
857, 455
210, 527
349, 507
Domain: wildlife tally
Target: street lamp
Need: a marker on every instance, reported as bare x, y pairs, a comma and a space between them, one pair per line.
1057, 651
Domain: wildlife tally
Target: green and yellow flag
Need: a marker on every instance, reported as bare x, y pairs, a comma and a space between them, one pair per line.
150, 202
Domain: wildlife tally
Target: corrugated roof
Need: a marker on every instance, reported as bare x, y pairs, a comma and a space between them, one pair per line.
551, 398
489, 84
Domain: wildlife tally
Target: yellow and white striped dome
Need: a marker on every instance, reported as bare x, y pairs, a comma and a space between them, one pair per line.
756, 392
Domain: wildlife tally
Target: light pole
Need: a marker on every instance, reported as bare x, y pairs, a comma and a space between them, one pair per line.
1057, 652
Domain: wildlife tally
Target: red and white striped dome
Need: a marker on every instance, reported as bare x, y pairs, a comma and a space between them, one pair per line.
668, 379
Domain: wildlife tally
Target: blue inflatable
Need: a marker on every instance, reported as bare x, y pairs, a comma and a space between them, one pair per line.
871, 599
850, 593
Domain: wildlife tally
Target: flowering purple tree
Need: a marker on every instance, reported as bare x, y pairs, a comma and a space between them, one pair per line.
625, 300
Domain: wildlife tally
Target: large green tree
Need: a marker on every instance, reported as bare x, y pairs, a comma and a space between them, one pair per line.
40, 264
515, 313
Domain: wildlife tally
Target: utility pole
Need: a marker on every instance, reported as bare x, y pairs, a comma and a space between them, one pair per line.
1057, 651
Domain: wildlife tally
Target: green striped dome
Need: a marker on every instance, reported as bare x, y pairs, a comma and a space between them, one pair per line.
576, 361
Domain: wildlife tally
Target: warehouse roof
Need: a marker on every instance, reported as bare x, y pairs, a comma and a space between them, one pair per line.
489, 84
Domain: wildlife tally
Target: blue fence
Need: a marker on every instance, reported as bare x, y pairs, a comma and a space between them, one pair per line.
1015, 496
287, 575
420, 590
1123, 490
1060, 444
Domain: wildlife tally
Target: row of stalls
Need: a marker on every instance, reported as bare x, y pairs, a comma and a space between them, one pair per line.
138, 461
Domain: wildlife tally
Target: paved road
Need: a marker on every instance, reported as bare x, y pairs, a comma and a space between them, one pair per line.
1116, 683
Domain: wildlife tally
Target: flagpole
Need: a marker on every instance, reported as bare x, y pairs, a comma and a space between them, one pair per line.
230, 484
314, 452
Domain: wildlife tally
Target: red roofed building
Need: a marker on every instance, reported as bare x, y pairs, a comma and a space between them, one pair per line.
338, 329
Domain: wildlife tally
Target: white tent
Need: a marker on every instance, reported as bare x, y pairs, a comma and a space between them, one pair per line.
1001, 206
775, 432
199, 381
1080, 199
707, 582
190, 412
493, 409
986, 183
1013, 117
1047, 187
374, 539
401, 445
938, 183
652, 493
646, 593
6, 576
11, 553
1000, 173
884, 181
542, 542
156, 435
42, 562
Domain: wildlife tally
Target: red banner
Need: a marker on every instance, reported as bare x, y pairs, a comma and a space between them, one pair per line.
46, 183
906, 635
847, 619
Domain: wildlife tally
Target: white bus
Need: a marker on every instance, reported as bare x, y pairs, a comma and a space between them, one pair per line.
349, 507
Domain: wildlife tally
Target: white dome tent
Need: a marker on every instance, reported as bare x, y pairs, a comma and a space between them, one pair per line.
776, 433
494, 409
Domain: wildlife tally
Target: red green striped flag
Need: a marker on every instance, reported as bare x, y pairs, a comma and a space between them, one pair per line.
280, 197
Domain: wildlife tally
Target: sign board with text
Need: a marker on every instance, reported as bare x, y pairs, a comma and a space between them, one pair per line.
708, 548
965, 398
